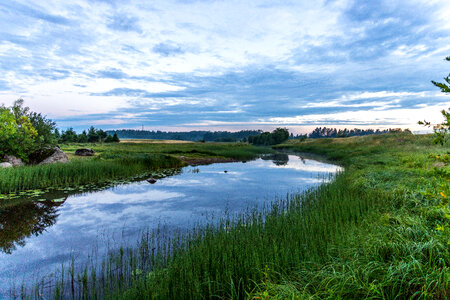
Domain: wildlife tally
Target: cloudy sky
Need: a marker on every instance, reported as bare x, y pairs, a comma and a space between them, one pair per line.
184, 65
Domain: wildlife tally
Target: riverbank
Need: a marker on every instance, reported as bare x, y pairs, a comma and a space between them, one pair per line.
118, 161
379, 230
400, 249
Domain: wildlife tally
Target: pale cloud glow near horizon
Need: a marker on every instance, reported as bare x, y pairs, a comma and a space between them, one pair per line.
226, 65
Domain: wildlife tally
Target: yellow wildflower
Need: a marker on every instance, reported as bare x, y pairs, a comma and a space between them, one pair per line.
440, 227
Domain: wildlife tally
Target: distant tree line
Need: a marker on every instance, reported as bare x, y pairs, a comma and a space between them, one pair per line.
199, 135
280, 135
324, 132
277, 136
91, 136
256, 137
301, 137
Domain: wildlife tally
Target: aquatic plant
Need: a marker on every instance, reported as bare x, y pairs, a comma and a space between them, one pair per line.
115, 161
370, 233
81, 172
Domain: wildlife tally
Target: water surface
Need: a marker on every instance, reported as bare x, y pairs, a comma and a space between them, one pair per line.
36, 237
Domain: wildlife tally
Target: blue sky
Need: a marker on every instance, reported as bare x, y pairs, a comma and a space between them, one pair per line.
226, 65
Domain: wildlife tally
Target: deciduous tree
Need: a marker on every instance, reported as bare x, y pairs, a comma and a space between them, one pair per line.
17, 135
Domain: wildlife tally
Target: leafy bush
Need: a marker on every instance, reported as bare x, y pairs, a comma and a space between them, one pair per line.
17, 135
23, 131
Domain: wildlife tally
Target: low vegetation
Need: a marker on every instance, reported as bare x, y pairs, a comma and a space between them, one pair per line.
238, 151
81, 172
116, 161
379, 230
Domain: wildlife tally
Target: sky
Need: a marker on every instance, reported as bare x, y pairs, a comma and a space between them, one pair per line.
226, 65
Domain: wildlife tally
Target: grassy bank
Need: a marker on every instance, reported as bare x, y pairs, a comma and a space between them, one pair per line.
239, 151
401, 248
379, 230
115, 161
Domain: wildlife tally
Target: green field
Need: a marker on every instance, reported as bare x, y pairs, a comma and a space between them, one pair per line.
380, 230
117, 161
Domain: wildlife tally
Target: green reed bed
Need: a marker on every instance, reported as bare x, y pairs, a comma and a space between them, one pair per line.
401, 249
81, 172
380, 231
229, 258
237, 151
373, 233
116, 161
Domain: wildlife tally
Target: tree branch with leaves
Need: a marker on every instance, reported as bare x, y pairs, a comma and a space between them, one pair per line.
441, 130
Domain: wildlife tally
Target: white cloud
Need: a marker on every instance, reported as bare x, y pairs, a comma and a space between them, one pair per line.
316, 43
402, 117
382, 94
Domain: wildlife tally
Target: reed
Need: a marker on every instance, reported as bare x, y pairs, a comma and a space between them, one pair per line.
224, 258
81, 172
116, 161
370, 233
190, 150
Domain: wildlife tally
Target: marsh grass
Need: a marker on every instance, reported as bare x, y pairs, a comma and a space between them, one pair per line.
396, 252
224, 258
115, 161
81, 172
370, 233
229, 150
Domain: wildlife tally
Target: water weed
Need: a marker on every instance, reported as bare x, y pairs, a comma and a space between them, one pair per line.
373, 232
114, 161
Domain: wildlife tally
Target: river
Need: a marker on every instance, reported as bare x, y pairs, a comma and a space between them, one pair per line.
37, 237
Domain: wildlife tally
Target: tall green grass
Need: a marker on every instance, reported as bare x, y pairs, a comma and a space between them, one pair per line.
228, 258
371, 233
116, 161
81, 172
237, 151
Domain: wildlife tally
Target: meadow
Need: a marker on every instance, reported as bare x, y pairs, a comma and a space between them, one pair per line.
379, 230
117, 161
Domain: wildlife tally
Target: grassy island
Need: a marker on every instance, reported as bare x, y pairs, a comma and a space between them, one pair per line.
119, 161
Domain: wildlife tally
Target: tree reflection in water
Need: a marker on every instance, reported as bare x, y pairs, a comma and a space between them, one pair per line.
280, 159
21, 220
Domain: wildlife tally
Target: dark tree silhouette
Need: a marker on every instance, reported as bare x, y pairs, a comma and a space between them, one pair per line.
277, 136
23, 220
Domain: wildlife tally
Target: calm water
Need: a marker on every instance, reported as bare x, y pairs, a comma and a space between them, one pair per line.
37, 237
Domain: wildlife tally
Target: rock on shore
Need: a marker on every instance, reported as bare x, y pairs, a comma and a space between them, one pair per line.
58, 156
14, 161
84, 152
